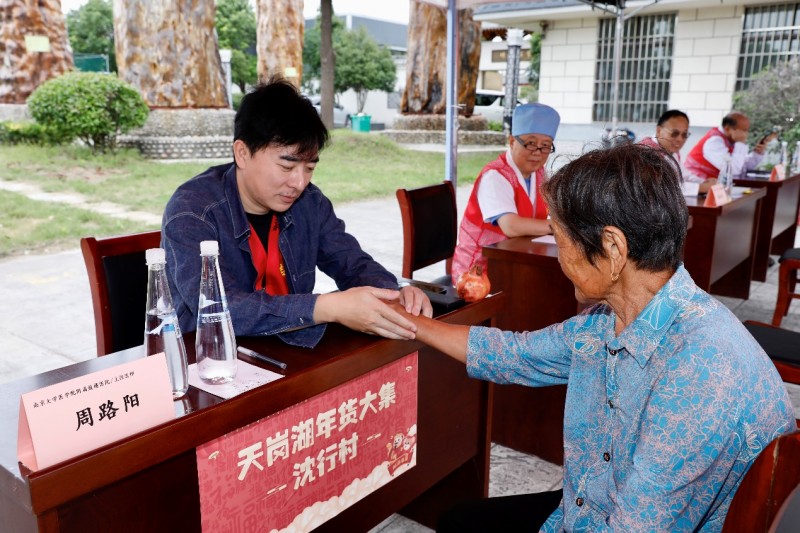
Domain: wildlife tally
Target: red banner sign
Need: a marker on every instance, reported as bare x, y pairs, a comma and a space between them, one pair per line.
298, 468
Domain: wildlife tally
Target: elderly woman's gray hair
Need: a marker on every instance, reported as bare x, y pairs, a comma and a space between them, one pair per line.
633, 187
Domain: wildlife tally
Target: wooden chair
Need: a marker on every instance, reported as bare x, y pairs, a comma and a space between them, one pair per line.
766, 485
781, 345
787, 281
430, 226
118, 281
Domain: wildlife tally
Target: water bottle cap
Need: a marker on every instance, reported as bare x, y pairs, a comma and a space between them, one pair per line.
155, 255
209, 248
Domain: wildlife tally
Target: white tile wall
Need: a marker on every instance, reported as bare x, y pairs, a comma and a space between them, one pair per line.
567, 52
704, 64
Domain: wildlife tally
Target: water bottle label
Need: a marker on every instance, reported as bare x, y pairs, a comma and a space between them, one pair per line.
207, 318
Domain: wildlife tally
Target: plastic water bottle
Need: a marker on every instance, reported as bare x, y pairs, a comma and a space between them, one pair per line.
161, 330
726, 175
785, 154
795, 161
215, 342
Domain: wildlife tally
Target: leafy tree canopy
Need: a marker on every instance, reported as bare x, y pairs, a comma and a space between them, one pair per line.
773, 99
236, 30
363, 65
91, 30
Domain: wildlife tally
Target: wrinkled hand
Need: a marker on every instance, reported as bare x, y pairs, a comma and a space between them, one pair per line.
415, 301
365, 309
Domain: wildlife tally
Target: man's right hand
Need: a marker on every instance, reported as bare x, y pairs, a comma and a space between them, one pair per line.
761, 147
365, 309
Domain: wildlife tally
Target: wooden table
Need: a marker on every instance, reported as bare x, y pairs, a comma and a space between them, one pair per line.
720, 245
149, 482
528, 419
777, 224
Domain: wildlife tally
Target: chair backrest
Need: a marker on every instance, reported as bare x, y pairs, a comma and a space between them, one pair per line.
430, 223
781, 345
769, 482
118, 281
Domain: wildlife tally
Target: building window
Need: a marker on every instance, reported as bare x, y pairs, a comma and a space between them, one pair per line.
492, 80
771, 35
645, 68
500, 56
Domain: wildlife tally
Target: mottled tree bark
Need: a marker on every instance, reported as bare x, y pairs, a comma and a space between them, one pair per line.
328, 63
280, 39
168, 50
426, 71
21, 70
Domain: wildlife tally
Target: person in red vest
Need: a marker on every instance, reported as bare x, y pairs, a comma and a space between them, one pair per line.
672, 131
706, 158
505, 200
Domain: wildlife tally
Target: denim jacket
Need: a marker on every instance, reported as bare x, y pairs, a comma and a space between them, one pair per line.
208, 207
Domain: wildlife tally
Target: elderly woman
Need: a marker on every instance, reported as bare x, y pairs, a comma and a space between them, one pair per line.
669, 399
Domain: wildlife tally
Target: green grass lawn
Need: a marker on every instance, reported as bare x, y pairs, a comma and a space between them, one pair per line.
353, 167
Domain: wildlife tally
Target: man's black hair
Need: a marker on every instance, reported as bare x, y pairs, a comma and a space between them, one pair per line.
275, 113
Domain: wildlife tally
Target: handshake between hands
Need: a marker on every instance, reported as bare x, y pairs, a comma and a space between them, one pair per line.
375, 311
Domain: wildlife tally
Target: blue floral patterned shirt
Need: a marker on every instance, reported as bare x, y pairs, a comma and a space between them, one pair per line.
661, 422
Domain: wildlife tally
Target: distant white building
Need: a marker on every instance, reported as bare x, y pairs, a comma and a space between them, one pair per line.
686, 54
493, 64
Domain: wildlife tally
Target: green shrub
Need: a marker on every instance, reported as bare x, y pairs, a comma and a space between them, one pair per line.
495, 126
89, 106
237, 100
29, 133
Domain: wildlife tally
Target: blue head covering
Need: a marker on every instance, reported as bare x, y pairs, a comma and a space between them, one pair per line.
535, 118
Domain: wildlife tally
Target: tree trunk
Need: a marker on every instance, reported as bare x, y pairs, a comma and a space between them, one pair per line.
280, 39
426, 71
327, 58
168, 50
23, 70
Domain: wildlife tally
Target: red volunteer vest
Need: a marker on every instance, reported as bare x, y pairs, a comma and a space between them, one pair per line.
697, 164
474, 233
652, 142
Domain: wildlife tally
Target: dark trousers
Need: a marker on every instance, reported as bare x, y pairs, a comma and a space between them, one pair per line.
507, 514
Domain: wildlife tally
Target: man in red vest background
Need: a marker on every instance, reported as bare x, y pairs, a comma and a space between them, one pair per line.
672, 130
505, 200
707, 157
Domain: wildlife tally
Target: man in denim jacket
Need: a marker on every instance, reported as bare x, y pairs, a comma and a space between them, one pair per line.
274, 227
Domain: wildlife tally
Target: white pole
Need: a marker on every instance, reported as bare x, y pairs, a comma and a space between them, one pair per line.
617, 60
514, 40
225, 59
451, 113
